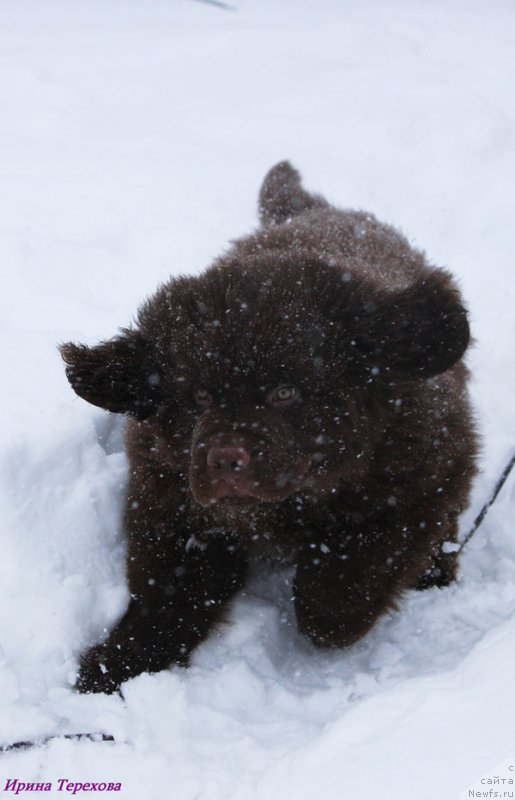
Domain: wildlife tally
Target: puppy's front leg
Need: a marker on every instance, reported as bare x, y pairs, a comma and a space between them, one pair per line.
177, 595
344, 584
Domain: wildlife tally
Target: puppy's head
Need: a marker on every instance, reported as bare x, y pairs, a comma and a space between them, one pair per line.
269, 378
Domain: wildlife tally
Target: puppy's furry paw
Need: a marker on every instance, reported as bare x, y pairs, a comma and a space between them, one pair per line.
96, 674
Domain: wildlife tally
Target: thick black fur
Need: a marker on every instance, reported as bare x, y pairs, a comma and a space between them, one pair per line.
303, 401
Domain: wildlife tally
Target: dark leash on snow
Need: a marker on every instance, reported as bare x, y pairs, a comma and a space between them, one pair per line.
103, 737
482, 514
90, 737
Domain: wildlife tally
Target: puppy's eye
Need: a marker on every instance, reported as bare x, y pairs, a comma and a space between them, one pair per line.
283, 396
202, 398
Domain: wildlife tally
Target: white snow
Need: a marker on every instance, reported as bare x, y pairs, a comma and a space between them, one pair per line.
134, 137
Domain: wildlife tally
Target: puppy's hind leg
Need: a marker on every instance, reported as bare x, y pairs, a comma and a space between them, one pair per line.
441, 572
442, 565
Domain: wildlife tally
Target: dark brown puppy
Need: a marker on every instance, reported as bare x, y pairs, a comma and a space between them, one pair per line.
303, 400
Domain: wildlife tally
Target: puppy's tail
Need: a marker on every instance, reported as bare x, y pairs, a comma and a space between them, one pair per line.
281, 195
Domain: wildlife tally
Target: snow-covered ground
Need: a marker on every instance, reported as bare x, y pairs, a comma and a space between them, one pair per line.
133, 139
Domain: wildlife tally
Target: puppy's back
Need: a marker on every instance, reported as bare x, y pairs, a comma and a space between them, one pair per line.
304, 224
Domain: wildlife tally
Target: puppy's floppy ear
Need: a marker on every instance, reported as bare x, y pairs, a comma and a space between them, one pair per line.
118, 375
420, 331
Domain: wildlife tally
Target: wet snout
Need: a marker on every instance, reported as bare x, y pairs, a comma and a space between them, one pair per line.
228, 463
247, 459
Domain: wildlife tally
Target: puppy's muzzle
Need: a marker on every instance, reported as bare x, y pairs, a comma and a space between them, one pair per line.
229, 464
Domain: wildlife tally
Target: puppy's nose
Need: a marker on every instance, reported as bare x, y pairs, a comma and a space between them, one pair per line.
227, 461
